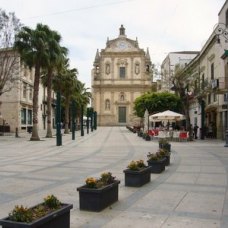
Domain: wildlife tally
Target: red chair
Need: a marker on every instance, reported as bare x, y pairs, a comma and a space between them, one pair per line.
183, 136
151, 132
156, 131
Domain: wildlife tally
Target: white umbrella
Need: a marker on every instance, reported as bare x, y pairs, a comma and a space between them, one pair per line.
166, 115
146, 121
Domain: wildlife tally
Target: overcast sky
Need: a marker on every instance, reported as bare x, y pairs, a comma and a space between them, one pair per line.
162, 25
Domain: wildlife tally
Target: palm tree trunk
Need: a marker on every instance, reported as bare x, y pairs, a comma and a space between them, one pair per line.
49, 90
35, 136
67, 106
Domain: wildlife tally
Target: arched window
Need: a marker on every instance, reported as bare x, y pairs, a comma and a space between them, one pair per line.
107, 104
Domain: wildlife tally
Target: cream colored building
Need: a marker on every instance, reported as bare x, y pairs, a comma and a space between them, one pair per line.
122, 72
17, 104
209, 81
181, 58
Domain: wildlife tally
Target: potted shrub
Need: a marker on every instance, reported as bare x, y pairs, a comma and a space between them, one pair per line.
98, 194
164, 143
140, 133
156, 161
165, 153
137, 174
50, 213
146, 136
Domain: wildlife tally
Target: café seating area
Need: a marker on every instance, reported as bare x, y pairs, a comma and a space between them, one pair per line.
172, 135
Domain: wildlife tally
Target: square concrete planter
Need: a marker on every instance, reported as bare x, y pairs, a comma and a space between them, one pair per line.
137, 178
92, 199
167, 162
59, 218
157, 166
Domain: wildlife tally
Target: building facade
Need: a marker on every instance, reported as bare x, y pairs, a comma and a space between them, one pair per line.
208, 88
181, 58
122, 72
16, 107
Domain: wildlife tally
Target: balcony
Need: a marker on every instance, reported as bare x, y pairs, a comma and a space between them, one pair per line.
220, 84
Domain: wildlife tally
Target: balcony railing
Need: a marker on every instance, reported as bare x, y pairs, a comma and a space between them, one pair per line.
219, 84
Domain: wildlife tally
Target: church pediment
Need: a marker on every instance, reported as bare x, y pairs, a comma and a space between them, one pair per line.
122, 45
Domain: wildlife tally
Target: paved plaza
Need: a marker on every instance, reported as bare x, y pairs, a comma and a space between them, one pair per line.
192, 192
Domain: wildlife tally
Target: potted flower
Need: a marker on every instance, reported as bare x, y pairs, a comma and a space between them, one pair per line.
137, 174
50, 213
156, 161
98, 194
165, 153
164, 143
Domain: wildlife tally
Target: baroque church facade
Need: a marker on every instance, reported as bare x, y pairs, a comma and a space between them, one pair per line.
121, 72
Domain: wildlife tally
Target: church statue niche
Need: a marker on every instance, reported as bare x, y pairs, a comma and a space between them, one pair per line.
107, 104
107, 68
137, 68
97, 69
122, 98
147, 68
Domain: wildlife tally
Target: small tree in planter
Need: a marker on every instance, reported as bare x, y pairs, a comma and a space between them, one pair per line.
146, 136
98, 194
137, 174
156, 161
164, 143
165, 153
50, 213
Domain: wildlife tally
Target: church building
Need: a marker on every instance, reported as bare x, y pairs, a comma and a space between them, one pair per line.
121, 72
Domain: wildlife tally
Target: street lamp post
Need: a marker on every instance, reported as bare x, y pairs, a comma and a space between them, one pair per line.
220, 29
82, 127
73, 119
91, 116
202, 103
58, 120
95, 120
87, 120
226, 132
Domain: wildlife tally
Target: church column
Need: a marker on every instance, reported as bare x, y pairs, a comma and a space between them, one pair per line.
131, 102
112, 103
132, 70
101, 106
112, 68
102, 102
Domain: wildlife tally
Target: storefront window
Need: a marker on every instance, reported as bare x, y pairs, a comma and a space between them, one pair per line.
23, 116
30, 117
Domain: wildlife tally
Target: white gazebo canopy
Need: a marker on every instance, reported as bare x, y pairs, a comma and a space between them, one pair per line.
166, 115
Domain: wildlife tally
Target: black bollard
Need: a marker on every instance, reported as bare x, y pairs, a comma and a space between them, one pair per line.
16, 133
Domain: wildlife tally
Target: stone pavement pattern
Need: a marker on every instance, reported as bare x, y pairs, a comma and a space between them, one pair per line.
192, 192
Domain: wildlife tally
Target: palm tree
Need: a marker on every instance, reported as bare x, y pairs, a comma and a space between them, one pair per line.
66, 83
56, 57
82, 97
33, 48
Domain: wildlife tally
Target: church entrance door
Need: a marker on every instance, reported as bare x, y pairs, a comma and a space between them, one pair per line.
122, 114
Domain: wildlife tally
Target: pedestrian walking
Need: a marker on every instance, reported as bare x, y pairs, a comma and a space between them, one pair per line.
195, 129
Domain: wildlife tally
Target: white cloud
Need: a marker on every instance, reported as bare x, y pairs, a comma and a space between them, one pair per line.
161, 25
